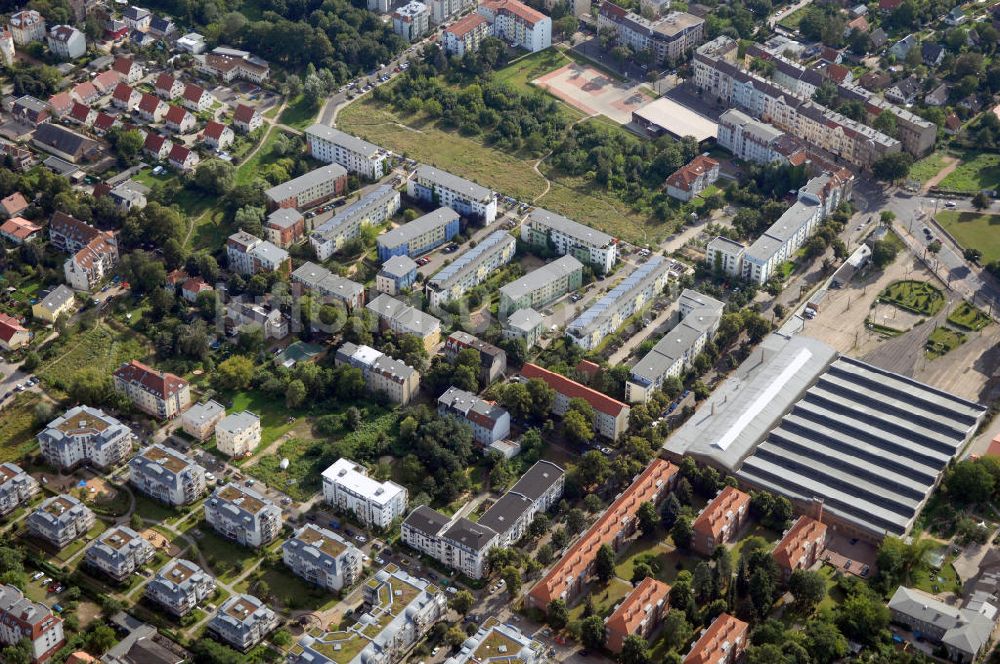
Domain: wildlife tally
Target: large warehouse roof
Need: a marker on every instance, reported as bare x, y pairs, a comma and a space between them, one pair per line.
667, 115
870, 443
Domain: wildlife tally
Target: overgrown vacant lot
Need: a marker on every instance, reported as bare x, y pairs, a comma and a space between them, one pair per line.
975, 173
974, 230
101, 347
17, 427
916, 296
420, 139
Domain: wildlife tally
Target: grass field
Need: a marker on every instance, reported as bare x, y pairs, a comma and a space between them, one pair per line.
968, 317
791, 22
974, 229
247, 170
288, 590
274, 416
916, 296
975, 173
574, 197
17, 427
927, 167
942, 341
298, 113
223, 554
100, 347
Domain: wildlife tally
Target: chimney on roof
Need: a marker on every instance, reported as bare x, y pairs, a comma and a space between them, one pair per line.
816, 508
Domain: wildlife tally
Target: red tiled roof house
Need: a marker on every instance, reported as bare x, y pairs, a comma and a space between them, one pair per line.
218, 136
156, 146
168, 87
125, 97
196, 98
611, 415
247, 118
13, 335
179, 120
19, 230
693, 178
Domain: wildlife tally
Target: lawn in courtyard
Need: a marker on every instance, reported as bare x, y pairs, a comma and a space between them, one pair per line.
604, 598
289, 591
973, 229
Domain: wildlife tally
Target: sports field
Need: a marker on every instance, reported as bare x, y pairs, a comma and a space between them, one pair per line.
594, 92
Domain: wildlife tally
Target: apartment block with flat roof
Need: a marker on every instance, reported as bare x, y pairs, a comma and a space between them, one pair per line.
313, 188
546, 229
199, 420
243, 621
442, 188
249, 255
16, 487
85, 435
180, 586
420, 235
60, 520
673, 354
238, 434
725, 256
241, 514
524, 324
354, 154
322, 557
346, 486
167, 475
119, 552
541, 287
668, 38
471, 268
375, 207
629, 297
496, 641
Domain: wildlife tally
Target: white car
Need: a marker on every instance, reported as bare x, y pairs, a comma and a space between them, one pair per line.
950, 204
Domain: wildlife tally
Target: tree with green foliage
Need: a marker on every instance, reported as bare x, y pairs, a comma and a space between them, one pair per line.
578, 428
863, 617
635, 650
90, 385
592, 632
648, 518
824, 641
808, 588
18, 653
893, 167
557, 614
677, 631
512, 578
462, 602
604, 563
682, 532
981, 200
233, 373
101, 639
970, 482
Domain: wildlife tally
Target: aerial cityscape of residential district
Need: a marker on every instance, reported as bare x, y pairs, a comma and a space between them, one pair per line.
500, 331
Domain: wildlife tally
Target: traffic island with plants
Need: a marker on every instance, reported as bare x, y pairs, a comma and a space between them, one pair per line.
968, 317
942, 341
917, 296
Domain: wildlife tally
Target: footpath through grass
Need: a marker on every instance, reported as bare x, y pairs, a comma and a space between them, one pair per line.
926, 168
575, 197
974, 229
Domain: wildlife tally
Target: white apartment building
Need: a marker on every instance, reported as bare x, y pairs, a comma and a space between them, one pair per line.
356, 155
166, 475
749, 139
322, 557
66, 42
420, 235
400, 610
309, 189
442, 188
411, 21
20, 618
119, 552
668, 38
375, 207
60, 520
546, 229
382, 373
673, 353
540, 287
85, 435
490, 423
160, 394
243, 515
238, 433
27, 26
199, 420
460, 544
465, 35
517, 24
817, 199
495, 637
471, 268
243, 621
346, 486
629, 297
250, 255
180, 586
321, 282
726, 256
16, 487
